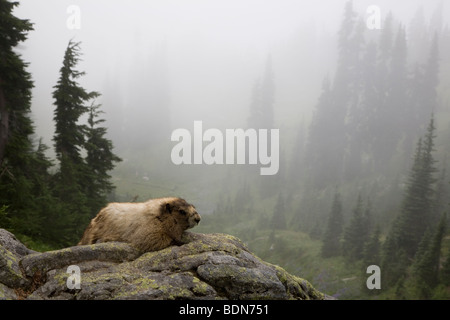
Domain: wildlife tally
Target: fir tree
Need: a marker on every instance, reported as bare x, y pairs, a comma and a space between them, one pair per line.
422, 94
426, 264
15, 88
355, 234
263, 99
20, 167
418, 201
445, 272
408, 228
100, 160
331, 241
69, 140
390, 108
326, 148
371, 253
279, 214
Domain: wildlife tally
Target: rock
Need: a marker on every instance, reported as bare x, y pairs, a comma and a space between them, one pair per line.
109, 251
206, 266
10, 243
11, 251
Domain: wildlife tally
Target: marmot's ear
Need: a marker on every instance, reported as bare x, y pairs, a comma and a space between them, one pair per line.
168, 208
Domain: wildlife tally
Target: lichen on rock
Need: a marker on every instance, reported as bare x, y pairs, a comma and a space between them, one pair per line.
206, 266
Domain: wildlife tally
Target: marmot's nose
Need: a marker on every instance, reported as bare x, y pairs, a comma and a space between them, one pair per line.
197, 220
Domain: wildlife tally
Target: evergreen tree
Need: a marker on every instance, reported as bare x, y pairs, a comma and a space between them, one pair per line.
355, 234
408, 228
15, 88
326, 148
70, 185
360, 114
422, 94
418, 201
394, 261
322, 144
445, 272
426, 264
100, 160
279, 214
371, 253
391, 106
20, 166
331, 241
263, 99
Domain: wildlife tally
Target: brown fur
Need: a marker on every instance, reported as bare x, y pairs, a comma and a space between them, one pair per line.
149, 226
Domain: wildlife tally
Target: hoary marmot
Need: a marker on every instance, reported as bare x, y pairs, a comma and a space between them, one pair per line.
149, 226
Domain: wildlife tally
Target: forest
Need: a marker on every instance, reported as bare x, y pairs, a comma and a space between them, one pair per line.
362, 175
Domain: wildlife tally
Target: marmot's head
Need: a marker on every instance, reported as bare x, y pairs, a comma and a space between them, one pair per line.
182, 212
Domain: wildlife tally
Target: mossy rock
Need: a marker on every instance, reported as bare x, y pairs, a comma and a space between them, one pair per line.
206, 266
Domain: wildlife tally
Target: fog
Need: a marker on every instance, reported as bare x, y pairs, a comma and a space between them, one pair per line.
161, 65
309, 129
206, 55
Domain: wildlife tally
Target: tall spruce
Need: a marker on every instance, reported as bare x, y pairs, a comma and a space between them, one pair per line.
71, 180
408, 228
355, 234
19, 184
417, 205
326, 151
263, 98
331, 241
15, 87
445, 272
423, 98
427, 261
278, 221
371, 253
100, 160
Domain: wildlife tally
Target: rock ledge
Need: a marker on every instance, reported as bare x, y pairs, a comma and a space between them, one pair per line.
207, 266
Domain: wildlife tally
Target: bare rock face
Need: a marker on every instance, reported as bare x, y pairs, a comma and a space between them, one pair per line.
206, 266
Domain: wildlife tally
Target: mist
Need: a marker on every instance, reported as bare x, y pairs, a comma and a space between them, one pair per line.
352, 107
209, 54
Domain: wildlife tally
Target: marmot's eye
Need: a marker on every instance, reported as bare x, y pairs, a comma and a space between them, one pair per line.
182, 212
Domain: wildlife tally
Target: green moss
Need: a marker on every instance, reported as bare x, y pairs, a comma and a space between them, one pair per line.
200, 287
295, 285
12, 265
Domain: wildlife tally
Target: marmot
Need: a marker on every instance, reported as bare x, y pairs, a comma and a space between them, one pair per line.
149, 226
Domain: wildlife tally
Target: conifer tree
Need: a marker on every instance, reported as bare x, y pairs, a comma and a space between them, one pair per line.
15, 88
418, 201
371, 253
69, 140
263, 99
427, 260
279, 214
355, 234
423, 93
392, 105
326, 148
408, 228
19, 182
445, 272
100, 160
331, 241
